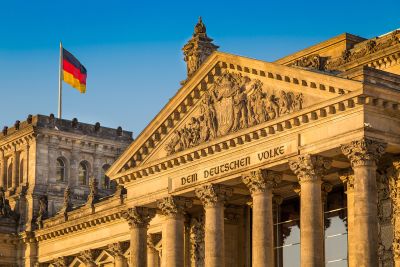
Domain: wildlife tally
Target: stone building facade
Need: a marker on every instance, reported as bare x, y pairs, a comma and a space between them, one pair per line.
251, 163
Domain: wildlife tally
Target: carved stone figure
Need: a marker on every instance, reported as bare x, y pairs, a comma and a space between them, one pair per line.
93, 194
234, 102
313, 61
43, 211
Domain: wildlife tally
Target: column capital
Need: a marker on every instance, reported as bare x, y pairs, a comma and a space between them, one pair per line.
153, 239
310, 168
326, 187
88, 256
138, 217
347, 178
116, 249
363, 152
259, 181
174, 205
212, 194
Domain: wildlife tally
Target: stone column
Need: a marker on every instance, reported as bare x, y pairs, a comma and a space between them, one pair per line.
52, 148
138, 219
30, 249
153, 258
88, 258
394, 187
260, 184
173, 233
15, 169
347, 177
310, 170
97, 164
364, 155
74, 165
2, 170
118, 254
213, 198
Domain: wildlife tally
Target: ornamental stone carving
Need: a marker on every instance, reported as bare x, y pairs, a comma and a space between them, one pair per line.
138, 216
197, 249
153, 240
310, 168
260, 180
363, 152
213, 194
5, 208
174, 206
67, 204
43, 211
116, 249
198, 49
60, 262
234, 102
347, 178
326, 188
88, 256
313, 61
93, 194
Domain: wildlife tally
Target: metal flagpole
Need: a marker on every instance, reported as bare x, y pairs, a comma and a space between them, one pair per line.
60, 83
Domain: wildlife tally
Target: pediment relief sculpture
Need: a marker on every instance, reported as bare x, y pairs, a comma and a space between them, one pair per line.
234, 102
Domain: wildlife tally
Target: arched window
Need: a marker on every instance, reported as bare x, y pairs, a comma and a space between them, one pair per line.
60, 170
83, 173
105, 180
9, 175
21, 171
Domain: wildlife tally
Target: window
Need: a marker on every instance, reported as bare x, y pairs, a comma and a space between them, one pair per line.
83, 173
21, 171
60, 170
9, 175
105, 180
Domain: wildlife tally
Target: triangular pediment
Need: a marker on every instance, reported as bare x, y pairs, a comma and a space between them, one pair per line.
228, 94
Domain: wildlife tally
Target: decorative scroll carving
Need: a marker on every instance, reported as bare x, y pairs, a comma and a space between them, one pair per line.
213, 194
313, 61
198, 49
197, 249
234, 102
174, 206
116, 249
363, 49
363, 152
138, 216
259, 181
310, 168
43, 211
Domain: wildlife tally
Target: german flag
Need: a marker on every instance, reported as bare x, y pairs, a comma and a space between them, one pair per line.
73, 72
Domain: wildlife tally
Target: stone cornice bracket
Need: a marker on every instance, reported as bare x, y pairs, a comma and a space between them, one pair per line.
174, 205
310, 168
259, 181
347, 178
213, 194
138, 216
364, 152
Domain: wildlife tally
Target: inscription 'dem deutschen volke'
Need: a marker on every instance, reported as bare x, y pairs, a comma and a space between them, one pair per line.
232, 165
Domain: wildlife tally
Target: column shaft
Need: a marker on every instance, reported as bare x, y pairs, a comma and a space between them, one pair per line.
138, 247
214, 236
311, 230
263, 231
153, 259
2, 167
15, 170
365, 216
173, 232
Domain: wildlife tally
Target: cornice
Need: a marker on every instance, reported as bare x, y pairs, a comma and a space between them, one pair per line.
189, 94
22, 136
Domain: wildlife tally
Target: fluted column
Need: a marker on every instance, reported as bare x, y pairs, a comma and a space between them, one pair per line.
118, 254
310, 170
153, 258
364, 155
260, 184
347, 178
213, 198
173, 233
138, 219
394, 187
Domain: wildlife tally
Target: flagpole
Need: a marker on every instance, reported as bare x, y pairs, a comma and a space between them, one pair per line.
60, 83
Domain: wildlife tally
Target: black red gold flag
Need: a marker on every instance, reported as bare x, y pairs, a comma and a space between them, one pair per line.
73, 72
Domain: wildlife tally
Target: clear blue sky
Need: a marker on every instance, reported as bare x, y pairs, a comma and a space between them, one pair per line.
132, 49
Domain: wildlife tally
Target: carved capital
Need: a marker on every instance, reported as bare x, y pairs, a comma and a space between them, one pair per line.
139, 216
363, 152
347, 178
88, 256
297, 189
259, 181
174, 206
60, 262
116, 249
153, 240
212, 194
310, 168
325, 189
396, 245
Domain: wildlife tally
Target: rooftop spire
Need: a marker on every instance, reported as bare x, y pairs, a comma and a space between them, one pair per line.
197, 49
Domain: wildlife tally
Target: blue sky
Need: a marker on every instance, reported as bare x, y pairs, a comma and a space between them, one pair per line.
132, 49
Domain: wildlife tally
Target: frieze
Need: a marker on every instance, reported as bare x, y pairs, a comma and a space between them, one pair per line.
234, 102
